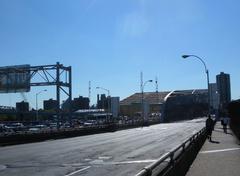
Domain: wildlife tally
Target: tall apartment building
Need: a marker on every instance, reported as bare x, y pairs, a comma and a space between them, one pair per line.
224, 90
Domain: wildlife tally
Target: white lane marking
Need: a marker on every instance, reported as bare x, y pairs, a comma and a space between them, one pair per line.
222, 150
135, 162
2, 167
97, 162
87, 159
101, 162
164, 128
77, 171
104, 157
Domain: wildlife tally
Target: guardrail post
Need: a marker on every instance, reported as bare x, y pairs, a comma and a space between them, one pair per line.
172, 158
148, 171
183, 146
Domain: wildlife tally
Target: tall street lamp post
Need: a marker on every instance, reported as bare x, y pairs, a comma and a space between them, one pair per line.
143, 112
37, 102
108, 100
206, 71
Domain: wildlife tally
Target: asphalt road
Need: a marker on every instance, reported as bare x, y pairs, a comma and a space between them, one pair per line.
120, 153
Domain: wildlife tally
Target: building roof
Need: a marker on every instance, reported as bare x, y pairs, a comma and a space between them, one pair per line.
150, 97
158, 97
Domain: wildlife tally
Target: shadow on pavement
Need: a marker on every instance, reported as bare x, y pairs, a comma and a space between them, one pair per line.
221, 131
229, 133
215, 142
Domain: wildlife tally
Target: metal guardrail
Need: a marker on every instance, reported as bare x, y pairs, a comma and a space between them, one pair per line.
171, 156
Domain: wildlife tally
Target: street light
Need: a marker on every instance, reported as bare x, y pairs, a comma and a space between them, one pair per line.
37, 102
108, 100
143, 113
108, 91
206, 71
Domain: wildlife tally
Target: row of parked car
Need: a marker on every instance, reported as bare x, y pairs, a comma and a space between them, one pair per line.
19, 128
23, 128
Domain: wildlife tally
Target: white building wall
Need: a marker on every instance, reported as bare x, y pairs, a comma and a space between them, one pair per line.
214, 96
115, 106
146, 110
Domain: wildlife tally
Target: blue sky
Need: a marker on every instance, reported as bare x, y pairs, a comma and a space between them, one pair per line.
108, 42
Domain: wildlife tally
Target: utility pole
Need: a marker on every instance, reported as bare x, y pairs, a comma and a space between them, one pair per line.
141, 90
89, 93
58, 93
70, 94
207, 72
156, 83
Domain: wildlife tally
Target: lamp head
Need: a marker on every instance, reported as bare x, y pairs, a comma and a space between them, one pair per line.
150, 80
185, 56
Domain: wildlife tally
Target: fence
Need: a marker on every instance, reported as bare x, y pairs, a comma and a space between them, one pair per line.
167, 164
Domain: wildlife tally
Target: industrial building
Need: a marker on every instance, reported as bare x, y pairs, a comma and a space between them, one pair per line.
132, 105
50, 104
115, 106
170, 105
80, 103
76, 104
102, 101
22, 106
109, 104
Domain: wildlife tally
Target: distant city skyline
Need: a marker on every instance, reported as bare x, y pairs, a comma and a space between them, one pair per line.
110, 42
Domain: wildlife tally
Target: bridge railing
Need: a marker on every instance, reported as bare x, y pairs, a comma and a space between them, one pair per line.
167, 161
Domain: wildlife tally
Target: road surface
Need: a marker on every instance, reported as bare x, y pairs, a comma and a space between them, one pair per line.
120, 153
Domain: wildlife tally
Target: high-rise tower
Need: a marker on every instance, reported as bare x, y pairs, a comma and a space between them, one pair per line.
224, 89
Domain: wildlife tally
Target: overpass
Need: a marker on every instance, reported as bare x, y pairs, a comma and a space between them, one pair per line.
120, 153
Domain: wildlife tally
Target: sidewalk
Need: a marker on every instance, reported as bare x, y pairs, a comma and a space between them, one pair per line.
218, 158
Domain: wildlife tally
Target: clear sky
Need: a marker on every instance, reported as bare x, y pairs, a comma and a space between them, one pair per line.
108, 42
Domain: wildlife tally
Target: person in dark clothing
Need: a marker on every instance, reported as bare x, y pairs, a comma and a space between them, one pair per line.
209, 127
224, 122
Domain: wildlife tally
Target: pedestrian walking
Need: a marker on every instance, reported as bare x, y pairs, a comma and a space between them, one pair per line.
209, 127
225, 122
